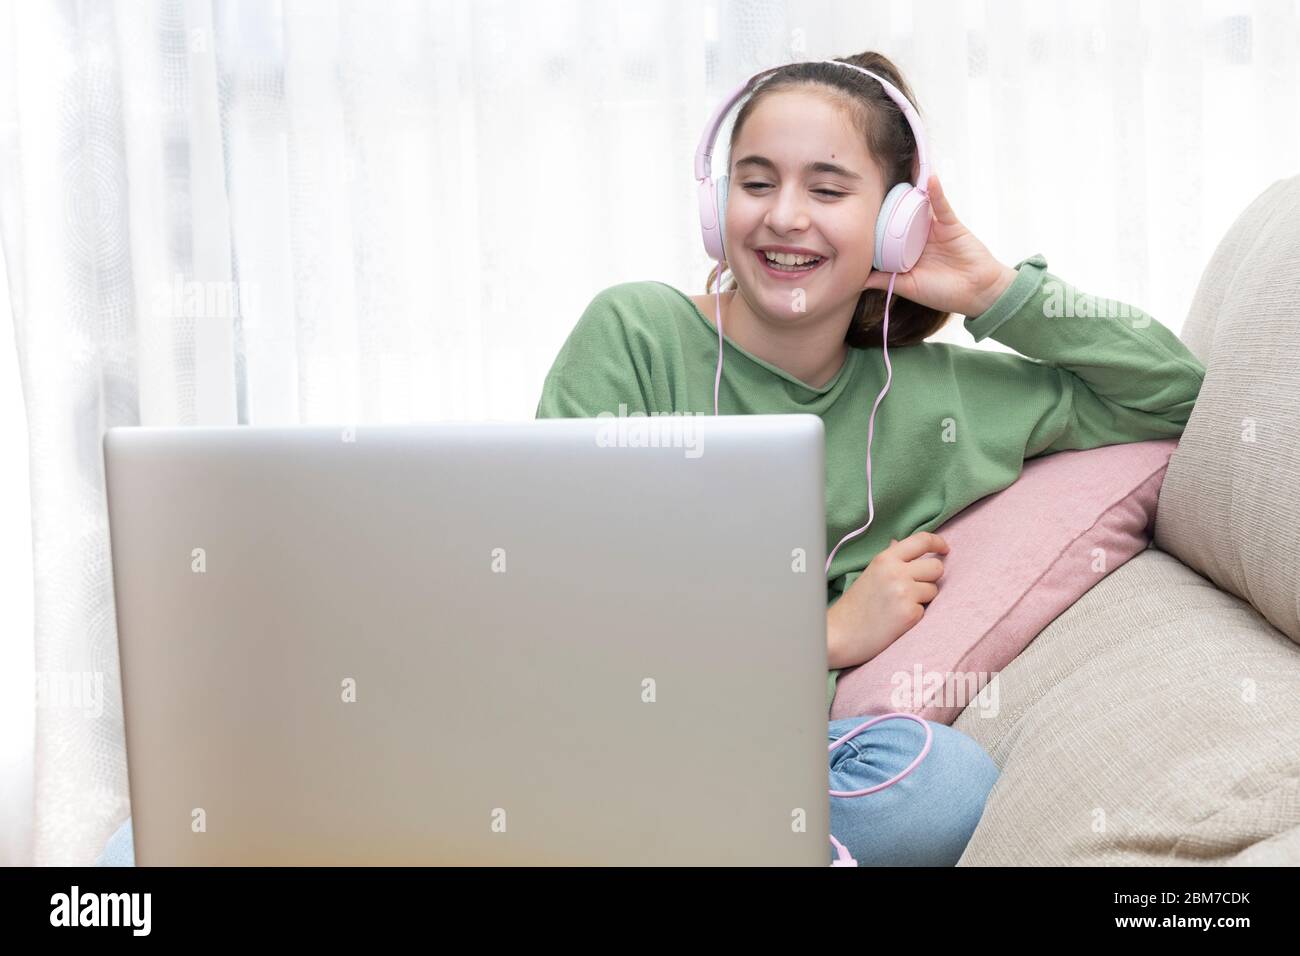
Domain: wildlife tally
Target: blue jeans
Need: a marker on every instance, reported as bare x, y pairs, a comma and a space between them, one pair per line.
925, 819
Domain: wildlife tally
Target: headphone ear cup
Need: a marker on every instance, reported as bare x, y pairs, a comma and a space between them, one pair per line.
902, 229
723, 186
887, 207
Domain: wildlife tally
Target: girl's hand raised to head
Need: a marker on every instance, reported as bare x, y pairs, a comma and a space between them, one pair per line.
885, 601
955, 273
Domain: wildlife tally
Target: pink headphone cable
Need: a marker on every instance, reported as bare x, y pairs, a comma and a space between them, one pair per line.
843, 857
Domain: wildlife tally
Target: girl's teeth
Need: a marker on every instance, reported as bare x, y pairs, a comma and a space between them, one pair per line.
782, 267
790, 258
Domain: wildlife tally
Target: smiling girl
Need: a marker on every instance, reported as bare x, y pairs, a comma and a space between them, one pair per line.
813, 152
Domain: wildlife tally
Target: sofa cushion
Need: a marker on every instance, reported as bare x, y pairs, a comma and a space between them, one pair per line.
1152, 723
1230, 506
1018, 558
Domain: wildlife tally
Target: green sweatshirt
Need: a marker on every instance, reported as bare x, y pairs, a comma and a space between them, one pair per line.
956, 425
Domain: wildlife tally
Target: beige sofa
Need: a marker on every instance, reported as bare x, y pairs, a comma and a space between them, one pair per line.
1157, 720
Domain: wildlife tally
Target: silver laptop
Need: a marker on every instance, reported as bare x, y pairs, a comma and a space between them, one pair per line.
565, 641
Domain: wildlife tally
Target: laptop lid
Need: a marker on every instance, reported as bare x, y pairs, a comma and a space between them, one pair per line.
563, 641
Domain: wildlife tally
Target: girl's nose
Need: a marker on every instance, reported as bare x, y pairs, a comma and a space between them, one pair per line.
788, 212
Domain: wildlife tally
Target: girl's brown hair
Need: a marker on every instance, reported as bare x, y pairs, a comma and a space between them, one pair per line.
889, 141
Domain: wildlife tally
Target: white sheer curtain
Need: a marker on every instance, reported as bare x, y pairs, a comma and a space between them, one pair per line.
255, 212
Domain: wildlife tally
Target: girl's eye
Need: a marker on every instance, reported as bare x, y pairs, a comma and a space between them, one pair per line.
824, 192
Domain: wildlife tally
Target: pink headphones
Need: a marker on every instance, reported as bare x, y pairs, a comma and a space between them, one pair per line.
903, 225
902, 229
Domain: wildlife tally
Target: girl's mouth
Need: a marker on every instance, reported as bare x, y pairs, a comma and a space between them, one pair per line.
777, 271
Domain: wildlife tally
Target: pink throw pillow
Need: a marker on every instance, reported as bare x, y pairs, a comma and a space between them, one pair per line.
1018, 558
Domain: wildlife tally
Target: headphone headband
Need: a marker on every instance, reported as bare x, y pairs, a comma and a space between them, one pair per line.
704, 152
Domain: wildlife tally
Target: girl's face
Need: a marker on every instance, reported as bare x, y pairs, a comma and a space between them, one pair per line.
801, 177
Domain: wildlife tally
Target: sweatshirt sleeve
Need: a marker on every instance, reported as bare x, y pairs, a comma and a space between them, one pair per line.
602, 364
1099, 372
